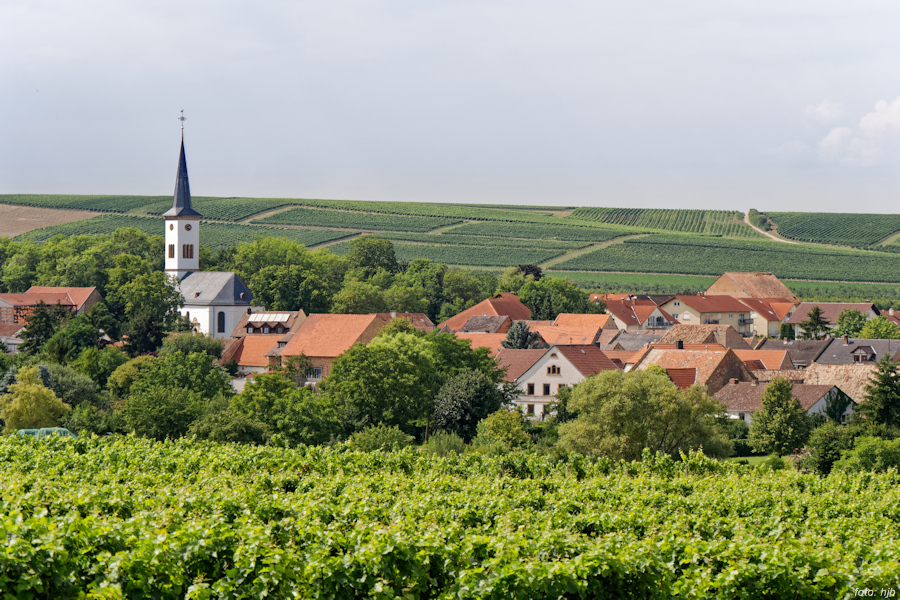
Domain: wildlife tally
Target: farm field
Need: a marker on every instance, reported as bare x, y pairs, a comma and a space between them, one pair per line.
129, 517
715, 222
353, 220
15, 220
476, 240
470, 256
695, 255
843, 229
545, 232
212, 235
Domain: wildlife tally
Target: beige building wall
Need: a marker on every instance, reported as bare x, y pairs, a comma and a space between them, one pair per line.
544, 380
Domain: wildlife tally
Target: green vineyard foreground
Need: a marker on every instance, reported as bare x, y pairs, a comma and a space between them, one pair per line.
132, 518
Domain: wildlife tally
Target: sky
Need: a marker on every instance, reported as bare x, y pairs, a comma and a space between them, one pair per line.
773, 105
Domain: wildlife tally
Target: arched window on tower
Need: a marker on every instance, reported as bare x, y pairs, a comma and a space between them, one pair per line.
221, 323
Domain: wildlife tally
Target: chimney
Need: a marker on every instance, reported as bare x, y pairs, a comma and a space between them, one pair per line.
734, 381
679, 344
846, 341
249, 311
393, 314
891, 311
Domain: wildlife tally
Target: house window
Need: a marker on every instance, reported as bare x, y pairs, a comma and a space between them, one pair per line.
529, 409
221, 322
677, 303
265, 329
249, 330
530, 389
546, 389
316, 373
553, 370
171, 250
742, 416
730, 316
687, 317
187, 251
561, 387
279, 330
282, 344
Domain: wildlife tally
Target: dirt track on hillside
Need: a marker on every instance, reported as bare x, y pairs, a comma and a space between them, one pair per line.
19, 219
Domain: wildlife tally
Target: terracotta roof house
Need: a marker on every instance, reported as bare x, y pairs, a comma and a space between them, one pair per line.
706, 334
768, 314
744, 399
852, 378
10, 336
258, 335
712, 368
17, 307
486, 324
892, 316
710, 310
802, 352
750, 285
419, 321
831, 311
601, 321
845, 351
633, 313
631, 340
492, 341
765, 359
540, 374
324, 337
502, 305
552, 335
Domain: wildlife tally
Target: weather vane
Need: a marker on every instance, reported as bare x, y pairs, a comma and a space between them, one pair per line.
182, 118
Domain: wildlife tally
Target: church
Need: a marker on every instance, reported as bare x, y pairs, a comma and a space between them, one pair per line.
214, 301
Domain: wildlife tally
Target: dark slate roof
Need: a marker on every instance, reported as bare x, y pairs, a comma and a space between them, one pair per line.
484, 324
205, 288
181, 203
840, 353
633, 340
802, 352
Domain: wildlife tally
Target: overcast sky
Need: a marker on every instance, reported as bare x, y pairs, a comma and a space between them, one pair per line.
775, 105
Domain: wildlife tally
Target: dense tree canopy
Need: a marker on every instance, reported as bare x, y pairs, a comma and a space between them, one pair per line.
781, 425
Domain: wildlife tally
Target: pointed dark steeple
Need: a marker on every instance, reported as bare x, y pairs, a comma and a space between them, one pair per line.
181, 204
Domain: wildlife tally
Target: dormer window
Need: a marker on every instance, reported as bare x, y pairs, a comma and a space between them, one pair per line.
249, 330
266, 329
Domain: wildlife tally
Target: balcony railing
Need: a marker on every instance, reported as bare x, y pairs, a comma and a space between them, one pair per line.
745, 321
710, 321
660, 324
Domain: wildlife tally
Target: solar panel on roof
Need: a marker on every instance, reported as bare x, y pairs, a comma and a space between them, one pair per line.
269, 318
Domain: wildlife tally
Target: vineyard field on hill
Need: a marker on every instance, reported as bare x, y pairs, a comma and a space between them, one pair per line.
212, 235
714, 222
354, 220
698, 255
842, 229
125, 517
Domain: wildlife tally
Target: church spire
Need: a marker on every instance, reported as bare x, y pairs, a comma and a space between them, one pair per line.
181, 203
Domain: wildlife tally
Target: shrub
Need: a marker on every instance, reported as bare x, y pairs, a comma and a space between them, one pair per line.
380, 437
504, 428
444, 444
871, 454
772, 463
825, 445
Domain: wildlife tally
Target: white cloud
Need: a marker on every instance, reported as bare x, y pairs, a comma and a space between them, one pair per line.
874, 141
825, 110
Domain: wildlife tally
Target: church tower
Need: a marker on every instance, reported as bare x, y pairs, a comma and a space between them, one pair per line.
182, 227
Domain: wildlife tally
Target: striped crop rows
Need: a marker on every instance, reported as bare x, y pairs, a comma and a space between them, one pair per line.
714, 222
835, 228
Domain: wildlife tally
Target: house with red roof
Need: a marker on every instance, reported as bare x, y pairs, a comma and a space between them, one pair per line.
640, 314
744, 399
710, 310
258, 336
686, 367
541, 374
767, 314
830, 311
17, 307
750, 285
503, 304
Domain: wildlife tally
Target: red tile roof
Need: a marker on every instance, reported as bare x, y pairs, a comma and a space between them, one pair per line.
748, 396
517, 362
769, 359
683, 378
33, 299
504, 305
580, 320
568, 335
713, 304
329, 336
830, 310
491, 341
760, 285
77, 295
589, 360
253, 349
770, 309
11, 329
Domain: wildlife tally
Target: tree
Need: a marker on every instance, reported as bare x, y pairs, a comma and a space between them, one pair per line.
882, 398
99, 364
29, 404
160, 412
100, 317
43, 323
879, 328
77, 336
464, 400
533, 270
850, 322
815, 325
197, 372
787, 331
619, 414
123, 378
359, 297
836, 405
370, 254
505, 428
73, 388
520, 337
151, 309
553, 295
780, 425
190, 342
390, 381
